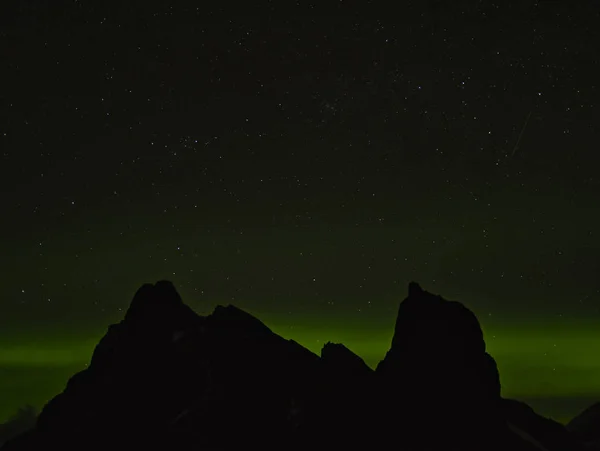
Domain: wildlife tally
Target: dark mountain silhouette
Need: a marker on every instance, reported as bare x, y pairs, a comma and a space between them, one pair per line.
23, 420
547, 433
167, 378
439, 344
586, 427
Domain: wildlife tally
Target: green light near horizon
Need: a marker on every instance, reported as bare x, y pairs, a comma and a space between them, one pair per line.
52, 354
540, 362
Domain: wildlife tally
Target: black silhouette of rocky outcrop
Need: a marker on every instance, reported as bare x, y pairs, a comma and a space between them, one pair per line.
586, 427
438, 347
167, 378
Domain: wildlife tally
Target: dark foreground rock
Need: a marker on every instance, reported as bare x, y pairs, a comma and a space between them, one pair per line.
167, 378
22, 421
586, 427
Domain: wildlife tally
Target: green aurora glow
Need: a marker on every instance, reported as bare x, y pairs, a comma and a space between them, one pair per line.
36, 370
305, 186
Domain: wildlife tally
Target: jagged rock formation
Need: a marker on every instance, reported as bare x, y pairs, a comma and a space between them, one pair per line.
438, 346
165, 377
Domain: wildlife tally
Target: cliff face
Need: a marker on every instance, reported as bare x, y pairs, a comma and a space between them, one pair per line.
167, 377
437, 368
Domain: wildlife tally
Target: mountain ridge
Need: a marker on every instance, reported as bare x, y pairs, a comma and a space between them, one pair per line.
166, 376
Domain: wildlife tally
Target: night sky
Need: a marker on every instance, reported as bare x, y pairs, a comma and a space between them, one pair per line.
303, 161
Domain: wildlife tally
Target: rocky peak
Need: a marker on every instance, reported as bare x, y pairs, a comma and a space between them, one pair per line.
156, 317
429, 323
339, 357
438, 357
233, 319
167, 377
157, 304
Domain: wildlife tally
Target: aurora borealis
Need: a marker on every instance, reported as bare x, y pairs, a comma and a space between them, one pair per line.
303, 164
558, 384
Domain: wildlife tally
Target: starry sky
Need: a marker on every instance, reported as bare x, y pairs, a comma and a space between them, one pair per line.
303, 161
